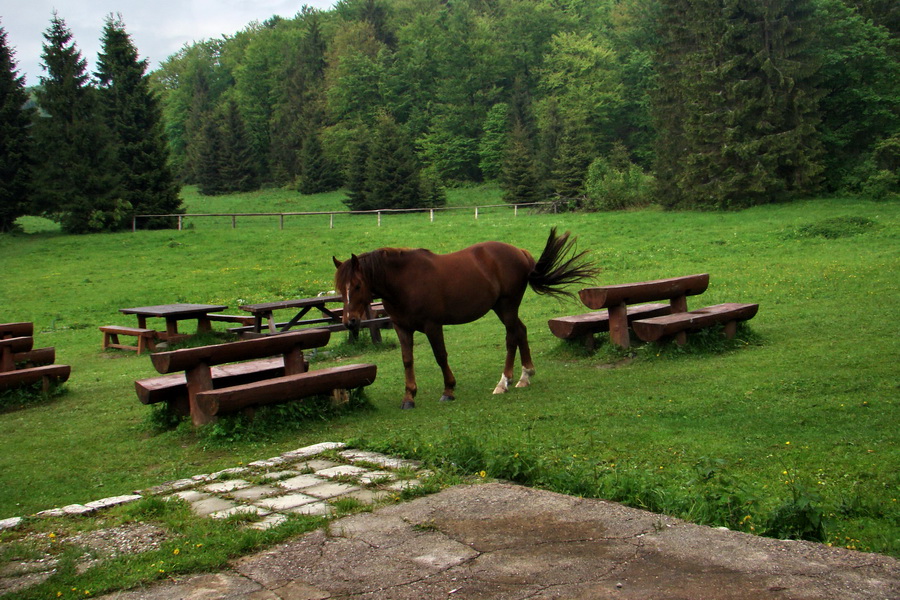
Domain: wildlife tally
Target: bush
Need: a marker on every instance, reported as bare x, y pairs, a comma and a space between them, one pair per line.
614, 183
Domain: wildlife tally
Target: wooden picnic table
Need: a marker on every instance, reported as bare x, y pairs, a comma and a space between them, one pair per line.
264, 312
173, 313
330, 318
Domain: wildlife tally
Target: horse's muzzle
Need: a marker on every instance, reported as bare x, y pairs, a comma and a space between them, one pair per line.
353, 324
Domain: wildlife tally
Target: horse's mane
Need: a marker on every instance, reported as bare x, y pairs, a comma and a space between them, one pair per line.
371, 267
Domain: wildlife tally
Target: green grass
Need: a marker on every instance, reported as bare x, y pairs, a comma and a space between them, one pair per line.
792, 424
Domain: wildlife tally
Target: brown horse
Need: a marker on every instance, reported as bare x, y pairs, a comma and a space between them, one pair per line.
423, 291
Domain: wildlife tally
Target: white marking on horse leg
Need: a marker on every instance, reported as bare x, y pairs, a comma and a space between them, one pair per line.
525, 380
502, 386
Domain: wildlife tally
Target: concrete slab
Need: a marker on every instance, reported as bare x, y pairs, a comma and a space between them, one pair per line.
251, 494
330, 490
300, 481
505, 542
285, 502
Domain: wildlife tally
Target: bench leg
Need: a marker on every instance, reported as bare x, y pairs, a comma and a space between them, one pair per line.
618, 325
681, 338
730, 329
590, 342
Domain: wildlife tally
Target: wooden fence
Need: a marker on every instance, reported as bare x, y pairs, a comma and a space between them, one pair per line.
551, 206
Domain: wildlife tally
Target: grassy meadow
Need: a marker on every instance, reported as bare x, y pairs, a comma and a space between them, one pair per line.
792, 429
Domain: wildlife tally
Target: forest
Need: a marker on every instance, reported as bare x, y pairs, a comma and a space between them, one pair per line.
600, 104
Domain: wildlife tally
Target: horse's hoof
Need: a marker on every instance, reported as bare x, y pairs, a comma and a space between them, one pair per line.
407, 405
500, 389
446, 398
522, 384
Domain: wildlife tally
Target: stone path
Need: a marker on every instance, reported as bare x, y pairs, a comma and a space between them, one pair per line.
299, 481
309, 480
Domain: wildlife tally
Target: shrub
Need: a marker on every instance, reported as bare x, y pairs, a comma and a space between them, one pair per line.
614, 182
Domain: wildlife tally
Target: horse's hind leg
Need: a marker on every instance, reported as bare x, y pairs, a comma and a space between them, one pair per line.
406, 350
436, 338
516, 339
528, 369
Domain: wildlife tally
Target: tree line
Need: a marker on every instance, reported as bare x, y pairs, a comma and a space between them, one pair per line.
86, 152
597, 103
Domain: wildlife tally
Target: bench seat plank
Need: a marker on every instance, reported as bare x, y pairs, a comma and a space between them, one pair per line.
36, 357
173, 387
20, 377
576, 326
279, 389
242, 319
645, 291
262, 347
23, 329
653, 329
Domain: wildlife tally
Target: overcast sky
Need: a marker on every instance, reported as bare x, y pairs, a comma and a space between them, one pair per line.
158, 28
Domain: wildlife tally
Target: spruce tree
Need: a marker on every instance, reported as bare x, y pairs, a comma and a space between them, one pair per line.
736, 103
357, 182
519, 180
317, 174
15, 141
392, 169
75, 178
570, 168
133, 115
237, 164
208, 144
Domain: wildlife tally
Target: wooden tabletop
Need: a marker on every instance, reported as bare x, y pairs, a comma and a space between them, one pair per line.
173, 310
267, 307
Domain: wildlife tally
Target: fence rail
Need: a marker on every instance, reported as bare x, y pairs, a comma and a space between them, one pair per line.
331, 214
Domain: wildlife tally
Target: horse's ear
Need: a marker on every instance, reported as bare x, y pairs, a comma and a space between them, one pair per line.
337, 263
354, 260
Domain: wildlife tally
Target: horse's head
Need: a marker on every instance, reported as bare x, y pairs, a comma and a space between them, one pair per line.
355, 290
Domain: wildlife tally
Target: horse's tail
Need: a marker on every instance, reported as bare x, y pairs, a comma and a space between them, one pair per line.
560, 265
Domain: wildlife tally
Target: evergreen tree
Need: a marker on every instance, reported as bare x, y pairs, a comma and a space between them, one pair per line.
736, 104
15, 141
133, 115
519, 179
236, 160
207, 171
493, 141
392, 169
357, 183
317, 174
570, 168
75, 178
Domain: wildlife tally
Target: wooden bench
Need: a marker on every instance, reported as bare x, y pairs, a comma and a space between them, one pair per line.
47, 374
8, 330
626, 311
146, 338
245, 320
584, 326
210, 394
653, 329
9, 347
18, 349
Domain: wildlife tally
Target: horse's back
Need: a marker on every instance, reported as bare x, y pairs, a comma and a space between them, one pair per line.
462, 286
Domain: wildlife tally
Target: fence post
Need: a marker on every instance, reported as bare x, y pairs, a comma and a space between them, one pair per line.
331, 221
180, 218
476, 213
233, 221
379, 218
432, 215
134, 224
282, 220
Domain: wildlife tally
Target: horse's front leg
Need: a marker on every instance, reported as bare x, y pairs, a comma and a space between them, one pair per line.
436, 338
406, 351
